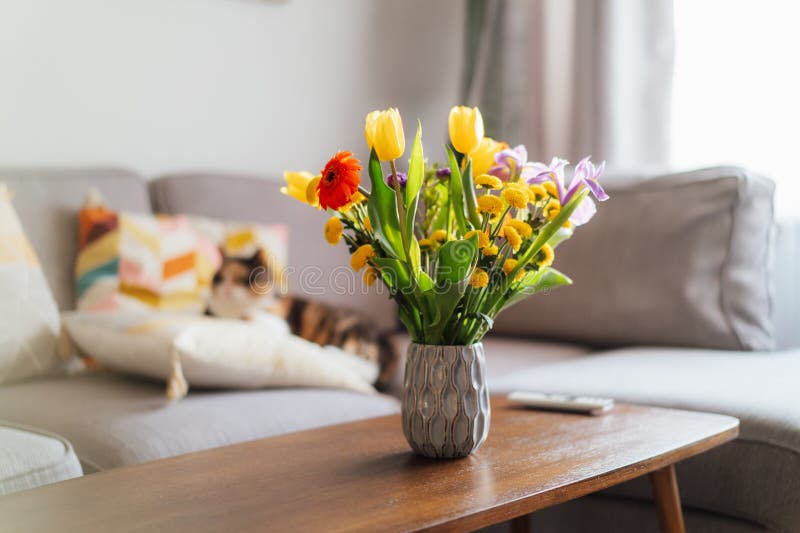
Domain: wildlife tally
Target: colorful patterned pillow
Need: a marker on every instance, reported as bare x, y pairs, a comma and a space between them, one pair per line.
29, 323
143, 261
135, 261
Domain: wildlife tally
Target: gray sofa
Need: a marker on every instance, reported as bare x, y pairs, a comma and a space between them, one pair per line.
686, 296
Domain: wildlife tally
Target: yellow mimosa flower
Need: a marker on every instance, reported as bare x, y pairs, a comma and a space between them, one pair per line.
490, 204
515, 197
523, 228
361, 256
479, 278
513, 238
538, 192
490, 251
487, 181
425, 243
333, 230
550, 188
370, 275
466, 128
482, 157
368, 224
357, 199
439, 235
552, 209
384, 132
297, 185
546, 256
483, 237
510, 265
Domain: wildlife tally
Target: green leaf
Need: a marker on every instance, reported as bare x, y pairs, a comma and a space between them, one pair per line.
456, 260
416, 169
536, 281
414, 255
395, 274
456, 191
382, 209
446, 298
469, 196
425, 281
547, 232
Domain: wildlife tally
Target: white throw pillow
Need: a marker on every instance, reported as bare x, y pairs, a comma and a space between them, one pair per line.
213, 352
29, 323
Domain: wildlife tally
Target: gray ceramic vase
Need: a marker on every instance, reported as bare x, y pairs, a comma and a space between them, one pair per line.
445, 400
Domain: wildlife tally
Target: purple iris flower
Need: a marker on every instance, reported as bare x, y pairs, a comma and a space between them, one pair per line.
586, 174
402, 178
443, 172
510, 162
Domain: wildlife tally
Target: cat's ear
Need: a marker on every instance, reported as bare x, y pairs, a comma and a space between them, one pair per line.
222, 253
258, 259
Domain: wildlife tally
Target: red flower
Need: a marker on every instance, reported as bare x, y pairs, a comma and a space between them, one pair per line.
340, 179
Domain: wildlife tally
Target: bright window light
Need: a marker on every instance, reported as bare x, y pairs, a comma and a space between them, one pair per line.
736, 96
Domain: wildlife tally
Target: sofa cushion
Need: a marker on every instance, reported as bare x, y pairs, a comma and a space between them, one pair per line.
47, 201
679, 260
114, 421
756, 477
31, 458
316, 270
29, 323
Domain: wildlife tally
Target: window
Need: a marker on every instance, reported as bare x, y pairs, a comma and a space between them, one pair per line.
736, 96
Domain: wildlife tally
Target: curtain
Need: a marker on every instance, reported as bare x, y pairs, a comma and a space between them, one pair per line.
574, 77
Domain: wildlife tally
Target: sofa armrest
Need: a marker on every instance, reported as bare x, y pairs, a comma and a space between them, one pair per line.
787, 283
680, 260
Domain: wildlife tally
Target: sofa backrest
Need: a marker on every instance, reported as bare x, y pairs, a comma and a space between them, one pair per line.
319, 271
48, 200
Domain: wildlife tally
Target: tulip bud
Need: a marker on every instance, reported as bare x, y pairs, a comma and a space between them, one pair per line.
466, 128
384, 132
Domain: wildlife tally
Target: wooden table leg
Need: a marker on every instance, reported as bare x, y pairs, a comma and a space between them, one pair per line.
521, 524
668, 500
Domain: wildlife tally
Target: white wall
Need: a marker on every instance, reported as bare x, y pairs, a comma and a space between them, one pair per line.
242, 85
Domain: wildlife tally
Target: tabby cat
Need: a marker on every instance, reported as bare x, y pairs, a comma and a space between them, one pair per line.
232, 296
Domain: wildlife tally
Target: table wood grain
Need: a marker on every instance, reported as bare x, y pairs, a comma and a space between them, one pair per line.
361, 476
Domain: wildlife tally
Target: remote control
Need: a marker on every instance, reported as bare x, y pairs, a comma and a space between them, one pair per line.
562, 402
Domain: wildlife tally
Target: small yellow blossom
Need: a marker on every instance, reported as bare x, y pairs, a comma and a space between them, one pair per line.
515, 197
538, 192
490, 204
487, 181
333, 230
357, 199
370, 275
509, 266
368, 224
546, 256
425, 243
550, 188
513, 238
567, 224
479, 278
490, 251
439, 235
483, 237
523, 228
361, 256
552, 209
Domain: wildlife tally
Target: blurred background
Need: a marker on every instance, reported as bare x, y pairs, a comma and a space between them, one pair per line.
257, 86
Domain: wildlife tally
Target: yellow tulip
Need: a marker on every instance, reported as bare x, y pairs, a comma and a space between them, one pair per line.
384, 132
466, 128
482, 157
297, 187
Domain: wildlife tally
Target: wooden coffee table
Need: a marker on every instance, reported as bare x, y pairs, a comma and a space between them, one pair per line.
361, 476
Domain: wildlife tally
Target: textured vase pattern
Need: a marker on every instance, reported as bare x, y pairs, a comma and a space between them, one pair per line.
445, 400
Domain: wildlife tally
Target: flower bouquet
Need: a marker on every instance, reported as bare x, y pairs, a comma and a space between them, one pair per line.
455, 245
